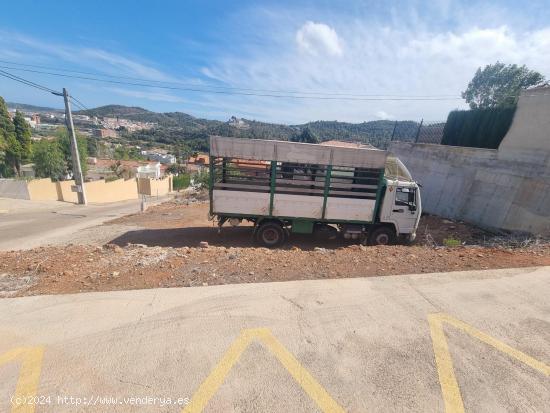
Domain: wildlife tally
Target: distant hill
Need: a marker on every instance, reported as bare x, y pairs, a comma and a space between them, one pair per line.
176, 128
32, 108
114, 111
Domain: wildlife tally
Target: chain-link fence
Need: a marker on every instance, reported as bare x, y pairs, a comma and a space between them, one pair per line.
418, 132
430, 132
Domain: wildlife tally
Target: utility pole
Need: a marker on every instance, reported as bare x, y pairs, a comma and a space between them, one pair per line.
77, 171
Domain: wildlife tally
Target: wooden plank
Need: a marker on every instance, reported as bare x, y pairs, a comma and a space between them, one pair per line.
282, 151
302, 206
350, 209
240, 202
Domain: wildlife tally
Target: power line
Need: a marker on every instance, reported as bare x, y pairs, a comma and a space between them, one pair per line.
40, 87
189, 89
215, 86
26, 82
79, 103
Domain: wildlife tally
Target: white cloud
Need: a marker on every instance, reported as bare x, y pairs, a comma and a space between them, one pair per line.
318, 39
378, 60
383, 115
98, 59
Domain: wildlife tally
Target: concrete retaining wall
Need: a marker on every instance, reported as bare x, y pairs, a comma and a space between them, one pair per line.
44, 190
154, 187
478, 186
96, 191
13, 188
508, 188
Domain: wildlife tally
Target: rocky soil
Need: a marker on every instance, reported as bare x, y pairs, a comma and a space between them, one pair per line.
165, 251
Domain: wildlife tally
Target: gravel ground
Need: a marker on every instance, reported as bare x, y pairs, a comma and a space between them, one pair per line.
160, 248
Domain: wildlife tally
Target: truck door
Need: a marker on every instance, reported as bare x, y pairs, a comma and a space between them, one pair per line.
404, 210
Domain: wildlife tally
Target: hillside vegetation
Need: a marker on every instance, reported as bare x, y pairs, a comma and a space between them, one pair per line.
182, 128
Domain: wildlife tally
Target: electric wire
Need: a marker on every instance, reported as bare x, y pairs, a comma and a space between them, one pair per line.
193, 89
215, 86
25, 81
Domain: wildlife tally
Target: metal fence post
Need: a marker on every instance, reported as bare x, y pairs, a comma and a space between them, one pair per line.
418, 132
393, 131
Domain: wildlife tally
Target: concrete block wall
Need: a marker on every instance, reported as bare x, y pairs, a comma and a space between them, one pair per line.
43, 190
155, 187
96, 191
477, 186
14, 188
508, 188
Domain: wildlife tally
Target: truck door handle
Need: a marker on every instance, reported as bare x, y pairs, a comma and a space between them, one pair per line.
399, 210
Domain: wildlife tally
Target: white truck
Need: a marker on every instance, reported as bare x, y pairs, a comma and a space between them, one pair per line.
286, 187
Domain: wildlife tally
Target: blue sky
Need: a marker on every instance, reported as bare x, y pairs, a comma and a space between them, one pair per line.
400, 48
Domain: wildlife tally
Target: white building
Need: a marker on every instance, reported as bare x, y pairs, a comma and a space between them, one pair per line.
149, 171
167, 159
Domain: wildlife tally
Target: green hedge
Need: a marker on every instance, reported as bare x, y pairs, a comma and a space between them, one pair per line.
477, 128
181, 181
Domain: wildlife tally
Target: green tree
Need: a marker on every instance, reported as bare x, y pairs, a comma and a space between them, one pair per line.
65, 145
121, 153
305, 136
7, 131
12, 155
23, 134
48, 159
201, 178
499, 85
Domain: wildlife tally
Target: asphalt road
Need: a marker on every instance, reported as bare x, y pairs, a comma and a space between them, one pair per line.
353, 345
28, 224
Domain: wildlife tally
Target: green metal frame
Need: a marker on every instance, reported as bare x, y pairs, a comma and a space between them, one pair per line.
272, 183
381, 186
303, 223
328, 173
302, 226
211, 182
285, 218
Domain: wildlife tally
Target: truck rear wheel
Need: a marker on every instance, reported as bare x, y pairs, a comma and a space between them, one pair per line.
270, 235
382, 236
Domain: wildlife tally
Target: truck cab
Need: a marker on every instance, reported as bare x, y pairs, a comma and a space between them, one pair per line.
401, 205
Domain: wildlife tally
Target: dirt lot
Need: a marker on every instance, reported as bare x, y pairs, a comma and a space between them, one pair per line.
165, 252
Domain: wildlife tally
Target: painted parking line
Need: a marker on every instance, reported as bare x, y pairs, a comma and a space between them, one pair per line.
447, 379
29, 375
212, 383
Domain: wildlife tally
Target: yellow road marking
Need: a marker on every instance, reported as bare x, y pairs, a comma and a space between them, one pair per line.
29, 374
212, 383
447, 379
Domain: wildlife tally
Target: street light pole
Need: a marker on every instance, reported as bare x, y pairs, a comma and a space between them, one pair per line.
77, 170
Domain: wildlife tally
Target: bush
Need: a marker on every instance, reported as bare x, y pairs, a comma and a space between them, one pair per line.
201, 178
452, 242
48, 160
477, 128
181, 181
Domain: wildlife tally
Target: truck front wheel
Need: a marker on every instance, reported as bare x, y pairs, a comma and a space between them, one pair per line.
270, 235
382, 236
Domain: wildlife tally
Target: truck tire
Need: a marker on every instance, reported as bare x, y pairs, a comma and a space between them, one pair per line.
382, 236
270, 235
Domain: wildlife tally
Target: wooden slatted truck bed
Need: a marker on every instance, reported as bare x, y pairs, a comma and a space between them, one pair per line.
287, 187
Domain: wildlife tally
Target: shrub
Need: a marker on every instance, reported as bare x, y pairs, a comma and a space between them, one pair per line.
452, 242
181, 181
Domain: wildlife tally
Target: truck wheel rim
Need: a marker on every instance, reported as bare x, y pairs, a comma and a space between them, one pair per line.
270, 236
382, 239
